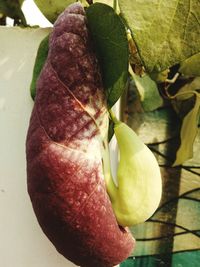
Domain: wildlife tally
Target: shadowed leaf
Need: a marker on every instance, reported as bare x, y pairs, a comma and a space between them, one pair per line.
110, 43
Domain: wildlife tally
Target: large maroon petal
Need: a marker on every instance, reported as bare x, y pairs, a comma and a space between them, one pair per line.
64, 165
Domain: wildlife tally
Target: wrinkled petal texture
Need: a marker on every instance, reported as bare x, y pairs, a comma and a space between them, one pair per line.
67, 130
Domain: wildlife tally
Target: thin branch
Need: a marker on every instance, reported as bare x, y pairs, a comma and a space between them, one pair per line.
176, 225
184, 195
164, 236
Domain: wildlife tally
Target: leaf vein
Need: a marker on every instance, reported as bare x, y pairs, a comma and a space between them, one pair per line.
185, 28
167, 34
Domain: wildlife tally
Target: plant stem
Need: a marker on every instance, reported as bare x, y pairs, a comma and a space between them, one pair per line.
113, 117
115, 5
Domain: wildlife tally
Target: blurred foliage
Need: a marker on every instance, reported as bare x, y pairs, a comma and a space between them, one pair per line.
12, 9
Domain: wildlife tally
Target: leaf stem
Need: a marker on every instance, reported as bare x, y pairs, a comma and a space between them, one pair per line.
182, 93
115, 5
113, 117
173, 79
84, 3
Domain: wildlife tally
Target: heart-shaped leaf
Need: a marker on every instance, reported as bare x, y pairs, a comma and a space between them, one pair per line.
191, 66
165, 32
111, 45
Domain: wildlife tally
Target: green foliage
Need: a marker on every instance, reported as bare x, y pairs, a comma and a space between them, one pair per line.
165, 32
110, 42
110, 130
159, 77
191, 66
190, 120
12, 9
39, 63
188, 133
148, 91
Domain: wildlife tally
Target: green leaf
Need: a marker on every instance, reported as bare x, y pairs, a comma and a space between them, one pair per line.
188, 133
160, 77
110, 130
148, 91
111, 45
189, 89
166, 32
191, 66
39, 63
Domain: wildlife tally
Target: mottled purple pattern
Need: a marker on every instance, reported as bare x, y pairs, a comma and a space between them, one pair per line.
64, 166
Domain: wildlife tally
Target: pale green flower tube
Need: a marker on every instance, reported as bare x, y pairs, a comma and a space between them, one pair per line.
139, 189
